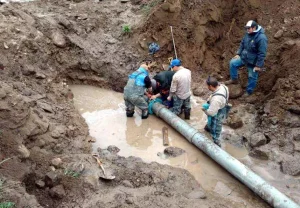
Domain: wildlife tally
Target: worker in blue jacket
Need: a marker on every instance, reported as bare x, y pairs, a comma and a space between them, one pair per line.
252, 54
134, 91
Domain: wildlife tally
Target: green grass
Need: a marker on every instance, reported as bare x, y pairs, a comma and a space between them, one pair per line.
126, 29
71, 173
146, 9
4, 204
7, 204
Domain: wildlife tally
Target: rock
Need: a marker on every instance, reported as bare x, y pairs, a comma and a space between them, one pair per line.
222, 189
40, 143
127, 183
291, 166
46, 107
58, 131
113, 149
291, 120
165, 6
254, 3
136, 2
57, 192
40, 75
51, 179
257, 139
261, 152
294, 134
143, 43
297, 94
51, 168
196, 194
35, 125
278, 34
56, 162
173, 151
294, 109
200, 91
124, 1
129, 200
2, 93
28, 70
235, 91
267, 108
27, 92
297, 146
59, 39
289, 44
23, 151
235, 122
40, 184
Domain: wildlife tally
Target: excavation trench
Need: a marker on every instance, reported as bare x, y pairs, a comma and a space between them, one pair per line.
103, 111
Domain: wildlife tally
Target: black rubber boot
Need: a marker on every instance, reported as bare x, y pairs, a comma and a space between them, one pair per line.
187, 114
129, 113
145, 114
206, 128
217, 142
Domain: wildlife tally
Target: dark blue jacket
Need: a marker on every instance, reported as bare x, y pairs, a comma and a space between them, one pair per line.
253, 48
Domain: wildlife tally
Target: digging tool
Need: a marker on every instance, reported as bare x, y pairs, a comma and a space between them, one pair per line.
106, 177
165, 136
173, 42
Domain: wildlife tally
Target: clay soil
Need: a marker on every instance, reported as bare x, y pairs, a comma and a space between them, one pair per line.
47, 45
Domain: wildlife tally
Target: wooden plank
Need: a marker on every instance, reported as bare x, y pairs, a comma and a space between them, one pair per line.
165, 136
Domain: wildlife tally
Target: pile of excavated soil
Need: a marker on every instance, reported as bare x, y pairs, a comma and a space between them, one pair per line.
45, 45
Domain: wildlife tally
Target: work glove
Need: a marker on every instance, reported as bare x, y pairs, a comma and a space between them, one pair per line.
236, 57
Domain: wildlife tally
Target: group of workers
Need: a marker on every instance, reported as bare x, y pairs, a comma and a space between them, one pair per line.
173, 87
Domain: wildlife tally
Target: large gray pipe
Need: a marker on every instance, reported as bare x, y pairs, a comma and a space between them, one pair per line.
267, 192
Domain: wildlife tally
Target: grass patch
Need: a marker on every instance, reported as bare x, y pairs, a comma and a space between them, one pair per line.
146, 8
71, 173
126, 29
7, 205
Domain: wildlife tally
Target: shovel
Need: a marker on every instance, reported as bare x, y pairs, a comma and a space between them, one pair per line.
106, 177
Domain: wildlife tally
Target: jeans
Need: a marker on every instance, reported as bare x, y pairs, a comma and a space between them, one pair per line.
179, 103
215, 126
235, 64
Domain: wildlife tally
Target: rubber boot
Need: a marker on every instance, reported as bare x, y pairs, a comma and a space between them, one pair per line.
206, 128
217, 142
129, 113
232, 81
145, 114
187, 114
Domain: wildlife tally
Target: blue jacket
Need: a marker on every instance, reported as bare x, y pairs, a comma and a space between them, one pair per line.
139, 76
253, 48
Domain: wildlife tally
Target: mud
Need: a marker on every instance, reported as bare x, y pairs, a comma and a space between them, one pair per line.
46, 45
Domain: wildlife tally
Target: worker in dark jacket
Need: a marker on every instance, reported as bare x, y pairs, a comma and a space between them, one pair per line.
135, 88
161, 84
252, 54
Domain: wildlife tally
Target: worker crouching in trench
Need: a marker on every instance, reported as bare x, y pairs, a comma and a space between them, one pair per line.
135, 88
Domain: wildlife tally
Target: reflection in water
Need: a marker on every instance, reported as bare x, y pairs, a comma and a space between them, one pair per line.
104, 113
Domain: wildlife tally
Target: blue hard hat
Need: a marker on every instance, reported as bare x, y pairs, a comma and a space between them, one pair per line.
175, 62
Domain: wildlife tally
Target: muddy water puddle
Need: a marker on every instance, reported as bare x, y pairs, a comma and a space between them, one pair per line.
104, 112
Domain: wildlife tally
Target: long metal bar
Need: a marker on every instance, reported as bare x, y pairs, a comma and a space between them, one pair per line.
267, 192
173, 41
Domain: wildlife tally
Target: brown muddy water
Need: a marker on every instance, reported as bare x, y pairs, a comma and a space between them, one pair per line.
104, 112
